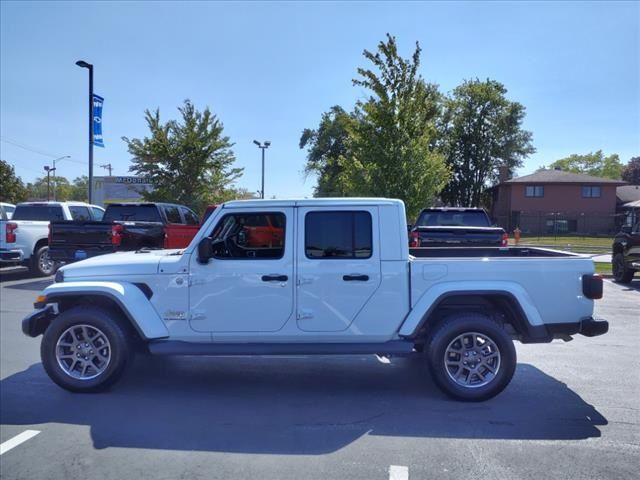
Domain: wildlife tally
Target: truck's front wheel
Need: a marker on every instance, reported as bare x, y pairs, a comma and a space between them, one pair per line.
471, 357
85, 349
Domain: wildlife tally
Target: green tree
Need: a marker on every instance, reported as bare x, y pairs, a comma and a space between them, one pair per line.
329, 150
593, 163
60, 185
80, 189
397, 130
631, 172
188, 161
482, 131
12, 190
386, 146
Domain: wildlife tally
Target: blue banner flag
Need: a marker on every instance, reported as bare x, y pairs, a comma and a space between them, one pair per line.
97, 120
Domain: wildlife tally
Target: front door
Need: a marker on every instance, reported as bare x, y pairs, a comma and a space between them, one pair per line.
338, 265
248, 286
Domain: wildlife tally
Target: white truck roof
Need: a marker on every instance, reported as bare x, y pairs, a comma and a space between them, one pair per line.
312, 202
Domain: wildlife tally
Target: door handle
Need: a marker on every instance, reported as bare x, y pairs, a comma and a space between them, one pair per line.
274, 278
355, 278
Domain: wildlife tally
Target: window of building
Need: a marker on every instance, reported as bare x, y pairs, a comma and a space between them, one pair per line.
344, 234
591, 191
534, 191
252, 236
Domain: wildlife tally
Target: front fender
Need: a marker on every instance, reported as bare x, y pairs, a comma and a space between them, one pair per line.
127, 296
432, 297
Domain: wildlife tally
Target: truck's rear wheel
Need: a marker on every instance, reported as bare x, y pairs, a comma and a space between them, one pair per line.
471, 357
621, 273
41, 264
85, 349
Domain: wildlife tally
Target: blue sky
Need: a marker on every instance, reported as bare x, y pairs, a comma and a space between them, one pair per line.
268, 70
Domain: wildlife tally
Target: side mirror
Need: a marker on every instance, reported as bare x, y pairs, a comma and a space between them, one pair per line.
205, 250
626, 229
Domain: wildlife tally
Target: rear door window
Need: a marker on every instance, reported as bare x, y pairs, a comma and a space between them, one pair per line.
343, 234
173, 214
79, 213
98, 213
190, 218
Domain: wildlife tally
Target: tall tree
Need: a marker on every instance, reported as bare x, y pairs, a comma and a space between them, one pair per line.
397, 133
593, 163
12, 190
482, 131
329, 150
188, 161
386, 146
631, 172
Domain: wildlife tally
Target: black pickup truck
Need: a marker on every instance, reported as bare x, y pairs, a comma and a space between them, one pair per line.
625, 260
125, 226
455, 227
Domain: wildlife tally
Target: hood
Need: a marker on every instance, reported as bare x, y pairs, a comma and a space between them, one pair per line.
120, 263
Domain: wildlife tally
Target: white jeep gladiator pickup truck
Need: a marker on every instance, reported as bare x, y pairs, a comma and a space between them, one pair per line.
320, 276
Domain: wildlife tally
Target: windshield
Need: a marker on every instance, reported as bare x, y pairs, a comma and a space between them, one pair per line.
132, 213
471, 218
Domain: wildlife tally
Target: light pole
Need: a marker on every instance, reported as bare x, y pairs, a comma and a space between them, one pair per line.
83, 64
262, 146
55, 184
49, 169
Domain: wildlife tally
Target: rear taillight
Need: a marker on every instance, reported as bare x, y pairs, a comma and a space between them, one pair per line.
116, 235
10, 234
592, 286
414, 239
505, 239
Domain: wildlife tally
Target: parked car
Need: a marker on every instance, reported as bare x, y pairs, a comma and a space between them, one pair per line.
25, 239
6, 210
124, 227
458, 227
341, 282
625, 259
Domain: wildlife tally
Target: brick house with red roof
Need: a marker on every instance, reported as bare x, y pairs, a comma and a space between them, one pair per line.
556, 202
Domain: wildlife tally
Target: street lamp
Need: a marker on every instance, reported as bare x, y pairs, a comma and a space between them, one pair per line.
55, 183
83, 64
262, 146
48, 169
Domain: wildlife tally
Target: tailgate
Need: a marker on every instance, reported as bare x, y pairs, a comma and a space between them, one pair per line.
80, 234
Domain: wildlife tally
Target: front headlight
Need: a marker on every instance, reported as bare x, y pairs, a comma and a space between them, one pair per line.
59, 278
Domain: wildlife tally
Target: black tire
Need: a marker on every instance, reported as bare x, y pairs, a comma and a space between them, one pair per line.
107, 323
40, 262
621, 274
446, 333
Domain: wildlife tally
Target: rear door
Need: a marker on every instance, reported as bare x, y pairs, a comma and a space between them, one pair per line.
338, 265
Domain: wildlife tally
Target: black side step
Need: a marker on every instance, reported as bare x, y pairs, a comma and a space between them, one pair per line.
175, 347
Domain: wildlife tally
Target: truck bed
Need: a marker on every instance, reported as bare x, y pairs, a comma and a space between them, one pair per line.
523, 272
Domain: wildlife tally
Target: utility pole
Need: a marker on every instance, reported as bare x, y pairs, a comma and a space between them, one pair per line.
262, 146
83, 64
107, 166
49, 169
55, 184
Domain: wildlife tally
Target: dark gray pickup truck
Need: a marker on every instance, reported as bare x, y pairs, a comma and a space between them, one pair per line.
456, 227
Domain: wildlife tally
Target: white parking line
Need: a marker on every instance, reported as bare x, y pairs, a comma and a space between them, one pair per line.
17, 440
398, 472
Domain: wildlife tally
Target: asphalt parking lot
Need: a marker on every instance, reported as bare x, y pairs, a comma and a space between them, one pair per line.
572, 411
